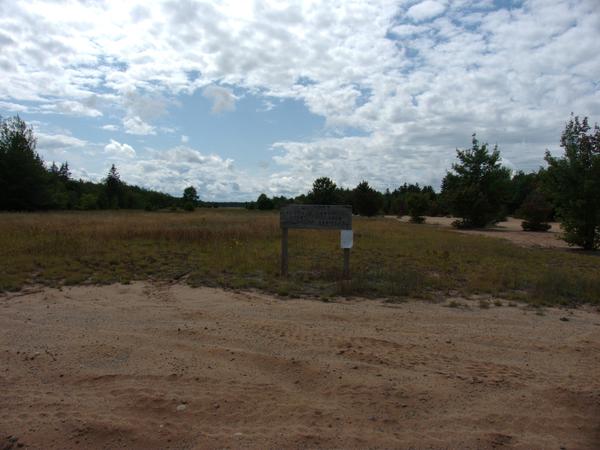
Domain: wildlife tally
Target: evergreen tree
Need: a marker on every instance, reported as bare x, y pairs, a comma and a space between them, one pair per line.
479, 188
367, 201
324, 192
573, 183
113, 188
23, 177
264, 203
418, 205
536, 211
64, 173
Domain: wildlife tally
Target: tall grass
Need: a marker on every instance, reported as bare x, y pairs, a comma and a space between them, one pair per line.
240, 249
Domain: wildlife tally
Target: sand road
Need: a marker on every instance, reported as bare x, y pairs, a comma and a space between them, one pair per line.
148, 366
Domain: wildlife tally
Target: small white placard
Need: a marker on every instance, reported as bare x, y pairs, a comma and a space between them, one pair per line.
346, 238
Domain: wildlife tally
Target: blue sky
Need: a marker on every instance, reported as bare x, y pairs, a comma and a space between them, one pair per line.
239, 98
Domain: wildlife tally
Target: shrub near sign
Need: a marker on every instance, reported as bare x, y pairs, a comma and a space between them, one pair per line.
316, 216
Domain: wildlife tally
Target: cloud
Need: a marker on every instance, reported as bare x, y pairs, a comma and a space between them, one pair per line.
184, 139
57, 141
110, 127
135, 125
222, 98
425, 10
399, 84
119, 150
71, 107
13, 107
173, 169
60, 146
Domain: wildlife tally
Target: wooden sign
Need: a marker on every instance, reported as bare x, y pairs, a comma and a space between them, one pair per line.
316, 216
337, 217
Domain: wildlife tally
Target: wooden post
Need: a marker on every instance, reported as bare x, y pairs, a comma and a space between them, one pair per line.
346, 263
284, 252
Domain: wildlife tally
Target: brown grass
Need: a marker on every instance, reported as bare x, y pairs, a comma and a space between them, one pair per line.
240, 249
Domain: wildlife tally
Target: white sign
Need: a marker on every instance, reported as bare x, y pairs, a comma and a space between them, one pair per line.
346, 238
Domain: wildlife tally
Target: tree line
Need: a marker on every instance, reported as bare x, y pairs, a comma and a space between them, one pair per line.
477, 190
26, 184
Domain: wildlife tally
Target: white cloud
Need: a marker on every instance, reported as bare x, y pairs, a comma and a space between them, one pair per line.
110, 127
71, 107
57, 141
135, 125
119, 150
60, 146
400, 84
184, 139
13, 107
176, 168
222, 98
425, 10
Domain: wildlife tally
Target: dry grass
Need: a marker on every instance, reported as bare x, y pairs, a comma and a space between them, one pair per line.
240, 249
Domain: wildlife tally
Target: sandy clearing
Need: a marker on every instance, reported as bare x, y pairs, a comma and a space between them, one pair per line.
146, 366
509, 229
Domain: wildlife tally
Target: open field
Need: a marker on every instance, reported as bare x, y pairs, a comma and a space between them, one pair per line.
168, 366
240, 249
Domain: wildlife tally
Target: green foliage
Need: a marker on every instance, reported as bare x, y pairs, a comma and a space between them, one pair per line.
23, 177
522, 184
397, 202
88, 202
189, 198
479, 187
25, 183
264, 203
113, 188
190, 194
366, 200
418, 205
536, 211
573, 183
324, 192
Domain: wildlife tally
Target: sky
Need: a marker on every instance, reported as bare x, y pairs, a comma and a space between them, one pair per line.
242, 97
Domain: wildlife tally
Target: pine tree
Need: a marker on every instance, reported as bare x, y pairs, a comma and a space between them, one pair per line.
573, 183
23, 177
324, 192
113, 187
366, 200
479, 188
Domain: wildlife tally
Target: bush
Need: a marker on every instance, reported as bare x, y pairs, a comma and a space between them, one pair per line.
88, 201
264, 203
418, 204
536, 212
535, 226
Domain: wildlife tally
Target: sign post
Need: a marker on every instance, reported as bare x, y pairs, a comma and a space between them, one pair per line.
284, 252
317, 216
346, 241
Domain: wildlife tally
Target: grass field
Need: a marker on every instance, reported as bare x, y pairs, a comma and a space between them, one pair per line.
240, 249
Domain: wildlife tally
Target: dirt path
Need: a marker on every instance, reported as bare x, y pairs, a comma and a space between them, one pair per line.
142, 366
509, 229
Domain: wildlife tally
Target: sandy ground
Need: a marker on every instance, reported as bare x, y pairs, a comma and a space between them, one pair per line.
145, 366
510, 230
